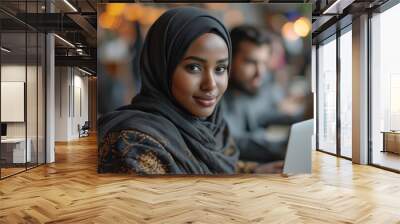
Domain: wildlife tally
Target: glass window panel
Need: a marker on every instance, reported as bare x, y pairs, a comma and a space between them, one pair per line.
23, 62
15, 149
385, 89
346, 94
327, 97
13, 86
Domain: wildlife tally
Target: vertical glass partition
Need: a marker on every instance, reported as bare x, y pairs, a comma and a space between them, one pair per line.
385, 89
327, 96
22, 77
346, 93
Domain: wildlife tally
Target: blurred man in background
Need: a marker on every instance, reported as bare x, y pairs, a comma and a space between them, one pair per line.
253, 102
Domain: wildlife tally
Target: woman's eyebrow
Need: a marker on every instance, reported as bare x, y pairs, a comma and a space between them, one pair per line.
204, 60
222, 60
195, 58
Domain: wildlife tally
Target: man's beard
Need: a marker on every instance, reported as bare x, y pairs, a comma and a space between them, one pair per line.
241, 87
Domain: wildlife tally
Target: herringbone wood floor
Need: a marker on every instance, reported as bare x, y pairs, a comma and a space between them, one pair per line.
70, 191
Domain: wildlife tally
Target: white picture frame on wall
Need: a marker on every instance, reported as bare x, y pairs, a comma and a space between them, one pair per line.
12, 101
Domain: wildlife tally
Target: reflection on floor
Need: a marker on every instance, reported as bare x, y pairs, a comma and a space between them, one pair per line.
11, 169
346, 152
387, 159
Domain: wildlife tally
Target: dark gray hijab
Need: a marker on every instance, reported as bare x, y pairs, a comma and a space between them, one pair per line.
197, 146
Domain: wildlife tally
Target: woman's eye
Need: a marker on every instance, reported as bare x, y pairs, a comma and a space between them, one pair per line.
221, 69
193, 68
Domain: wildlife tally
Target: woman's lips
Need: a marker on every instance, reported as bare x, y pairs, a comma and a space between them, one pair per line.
205, 102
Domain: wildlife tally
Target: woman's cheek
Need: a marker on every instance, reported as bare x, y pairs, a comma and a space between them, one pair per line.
223, 84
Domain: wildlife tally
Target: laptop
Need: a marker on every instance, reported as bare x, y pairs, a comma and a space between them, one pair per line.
298, 151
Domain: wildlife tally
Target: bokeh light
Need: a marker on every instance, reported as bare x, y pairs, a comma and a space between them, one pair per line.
115, 9
302, 26
106, 20
288, 32
133, 12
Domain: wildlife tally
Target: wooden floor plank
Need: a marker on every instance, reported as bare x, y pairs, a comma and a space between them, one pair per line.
71, 191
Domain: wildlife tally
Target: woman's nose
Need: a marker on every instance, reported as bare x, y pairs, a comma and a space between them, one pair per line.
208, 81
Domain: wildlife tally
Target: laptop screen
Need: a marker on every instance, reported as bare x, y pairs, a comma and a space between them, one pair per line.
298, 152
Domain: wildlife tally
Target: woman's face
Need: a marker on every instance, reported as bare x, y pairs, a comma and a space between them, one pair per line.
201, 77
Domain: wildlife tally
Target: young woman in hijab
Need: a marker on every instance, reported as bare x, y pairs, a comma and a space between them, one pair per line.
174, 125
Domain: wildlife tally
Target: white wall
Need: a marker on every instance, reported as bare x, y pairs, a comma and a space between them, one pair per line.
62, 81
71, 93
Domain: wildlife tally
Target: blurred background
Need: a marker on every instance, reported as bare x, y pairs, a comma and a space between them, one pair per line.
122, 28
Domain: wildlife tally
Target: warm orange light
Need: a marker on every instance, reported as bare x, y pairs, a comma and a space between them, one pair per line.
150, 15
216, 6
115, 9
106, 21
133, 12
302, 26
288, 31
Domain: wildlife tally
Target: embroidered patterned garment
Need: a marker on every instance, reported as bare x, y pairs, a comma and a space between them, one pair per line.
131, 151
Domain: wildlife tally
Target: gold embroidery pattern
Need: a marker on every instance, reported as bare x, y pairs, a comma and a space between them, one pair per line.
150, 164
124, 149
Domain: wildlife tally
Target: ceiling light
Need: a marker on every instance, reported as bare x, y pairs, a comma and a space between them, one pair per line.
5, 49
333, 6
84, 71
64, 40
338, 6
70, 5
